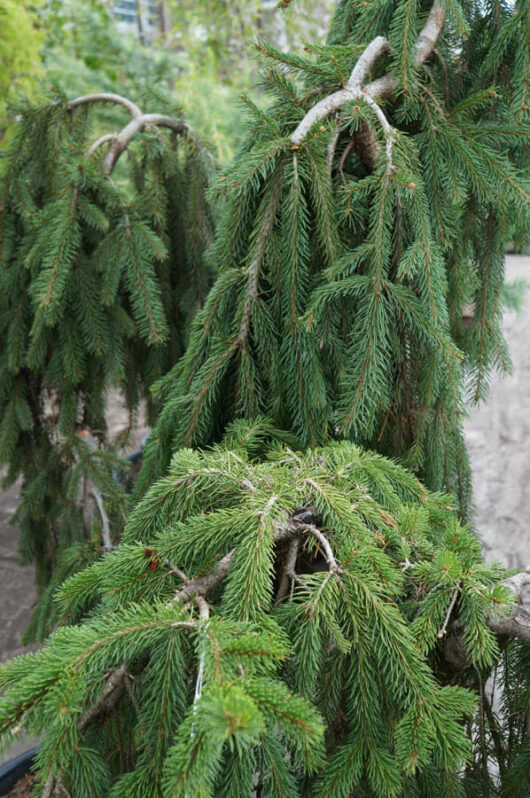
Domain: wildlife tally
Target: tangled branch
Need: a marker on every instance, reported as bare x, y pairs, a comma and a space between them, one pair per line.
382, 87
139, 121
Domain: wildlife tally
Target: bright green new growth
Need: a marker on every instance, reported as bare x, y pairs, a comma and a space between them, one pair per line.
290, 612
332, 573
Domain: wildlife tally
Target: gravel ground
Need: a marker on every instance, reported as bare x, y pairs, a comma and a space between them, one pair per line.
498, 436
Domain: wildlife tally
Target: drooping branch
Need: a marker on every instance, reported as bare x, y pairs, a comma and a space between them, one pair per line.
105, 97
136, 125
382, 87
139, 121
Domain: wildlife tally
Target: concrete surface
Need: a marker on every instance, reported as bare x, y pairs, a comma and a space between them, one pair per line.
498, 438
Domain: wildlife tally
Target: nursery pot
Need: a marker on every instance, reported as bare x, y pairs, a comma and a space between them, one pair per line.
13, 770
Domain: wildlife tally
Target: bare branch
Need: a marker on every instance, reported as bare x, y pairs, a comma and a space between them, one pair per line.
105, 525
382, 87
105, 97
366, 61
254, 268
430, 32
110, 695
99, 142
48, 787
120, 141
427, 39
387, 130
136, 125
289, 574
202, 585
456, 591
322, 539
516, 621
334, 102
330, 150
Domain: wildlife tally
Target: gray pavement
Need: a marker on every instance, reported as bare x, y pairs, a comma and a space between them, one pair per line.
498, 438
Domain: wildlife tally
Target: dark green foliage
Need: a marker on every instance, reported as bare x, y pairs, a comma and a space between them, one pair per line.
290, 611
99, 280
343, 281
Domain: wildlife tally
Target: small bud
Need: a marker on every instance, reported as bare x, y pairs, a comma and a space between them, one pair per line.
233, 185
148, 551
153, 565
356, 109
412, 185
222, 180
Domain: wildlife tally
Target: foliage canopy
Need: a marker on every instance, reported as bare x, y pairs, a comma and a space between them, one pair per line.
297, 606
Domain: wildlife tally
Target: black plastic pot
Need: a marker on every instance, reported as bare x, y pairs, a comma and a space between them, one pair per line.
13, 770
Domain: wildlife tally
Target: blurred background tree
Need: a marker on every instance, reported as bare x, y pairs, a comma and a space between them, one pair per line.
21, 67
199, 53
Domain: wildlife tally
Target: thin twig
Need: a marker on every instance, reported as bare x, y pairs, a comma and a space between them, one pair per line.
322, 539
288, 574
105, 525
456, 591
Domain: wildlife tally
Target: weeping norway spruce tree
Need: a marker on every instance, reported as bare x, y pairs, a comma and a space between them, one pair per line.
297, 605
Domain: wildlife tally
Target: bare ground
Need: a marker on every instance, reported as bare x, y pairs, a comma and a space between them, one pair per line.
498, 436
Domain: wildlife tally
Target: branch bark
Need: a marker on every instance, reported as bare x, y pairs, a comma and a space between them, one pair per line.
120, 141
110, 695
516, 622
105, 97
382, 87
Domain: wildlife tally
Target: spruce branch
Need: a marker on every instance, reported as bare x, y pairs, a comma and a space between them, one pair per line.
109, 697
382, 87
119, 142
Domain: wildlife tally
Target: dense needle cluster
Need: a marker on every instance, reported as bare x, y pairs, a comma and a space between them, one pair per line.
297, 606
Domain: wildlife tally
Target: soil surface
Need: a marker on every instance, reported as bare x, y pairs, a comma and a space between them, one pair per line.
498, 436
22, 788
